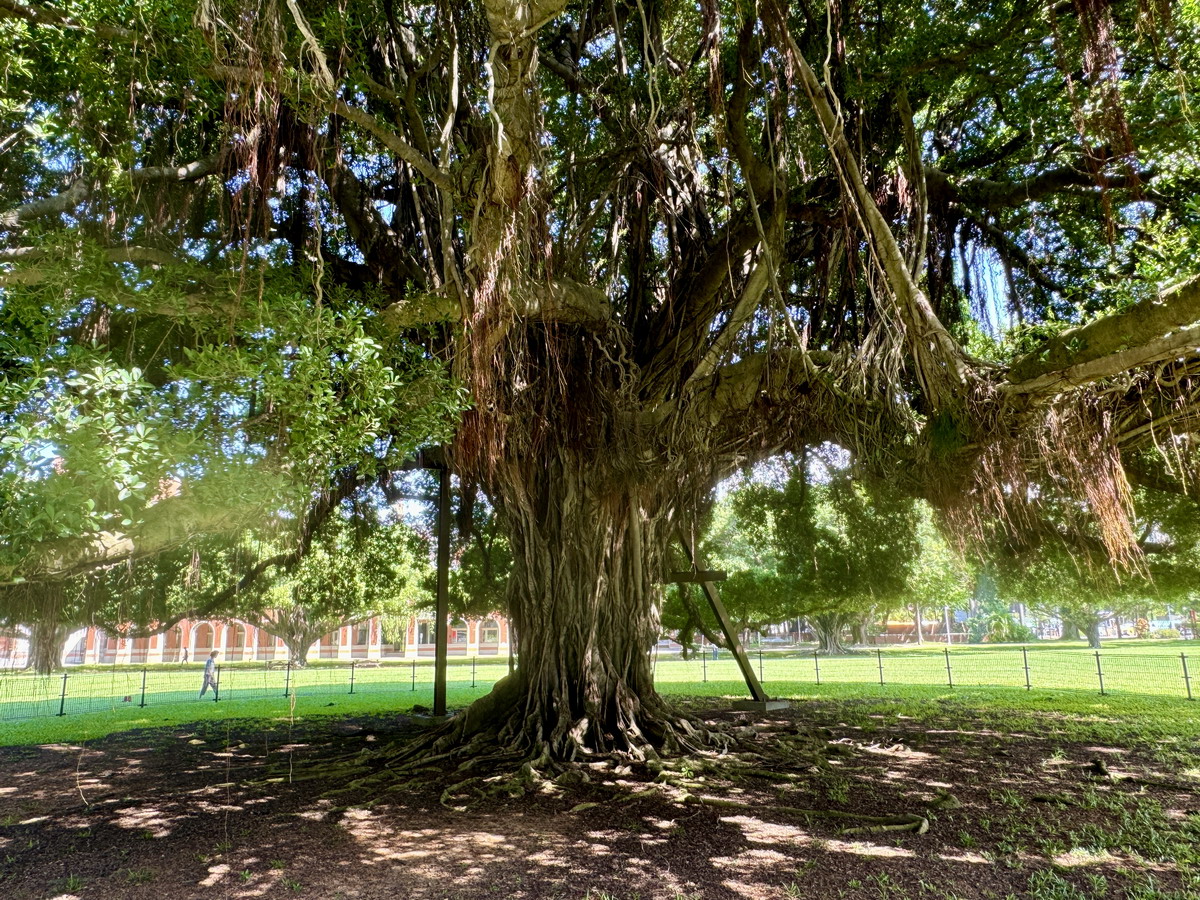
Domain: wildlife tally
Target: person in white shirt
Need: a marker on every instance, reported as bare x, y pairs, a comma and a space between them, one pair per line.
210, 674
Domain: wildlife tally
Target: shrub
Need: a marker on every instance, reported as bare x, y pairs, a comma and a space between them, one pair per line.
1168, 634
998, 628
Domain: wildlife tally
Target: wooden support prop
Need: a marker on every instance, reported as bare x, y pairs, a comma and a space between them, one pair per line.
761, 701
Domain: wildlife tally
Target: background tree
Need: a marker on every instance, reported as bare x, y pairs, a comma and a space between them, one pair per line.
738, 538
1077, 584
353, 572
939, 576
849, 544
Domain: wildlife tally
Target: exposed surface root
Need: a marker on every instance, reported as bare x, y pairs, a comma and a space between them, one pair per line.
473, 762
871, 824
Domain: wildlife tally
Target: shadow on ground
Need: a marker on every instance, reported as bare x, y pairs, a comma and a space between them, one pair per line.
229, 810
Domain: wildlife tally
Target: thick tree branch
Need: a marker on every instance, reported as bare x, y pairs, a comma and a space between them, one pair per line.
37, 15
1149, 331
81, 189
563, 302
31, 275
166, 525
393, 142
983, 193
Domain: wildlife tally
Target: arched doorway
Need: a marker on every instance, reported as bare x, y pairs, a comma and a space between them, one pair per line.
205, 640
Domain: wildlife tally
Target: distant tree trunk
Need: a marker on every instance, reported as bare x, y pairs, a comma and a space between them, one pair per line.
298, 647
918, 624
46, 640
829, 633
859, 631
1070, 630
1092, 630
296, 637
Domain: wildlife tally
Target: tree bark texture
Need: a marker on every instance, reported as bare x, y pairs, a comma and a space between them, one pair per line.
829, 630
588, 554
46, 644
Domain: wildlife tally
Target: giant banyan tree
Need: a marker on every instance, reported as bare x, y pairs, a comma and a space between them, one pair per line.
637, 245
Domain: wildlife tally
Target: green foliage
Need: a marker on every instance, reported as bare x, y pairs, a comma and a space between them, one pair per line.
299, 393
999, 627
353, 571
810, 540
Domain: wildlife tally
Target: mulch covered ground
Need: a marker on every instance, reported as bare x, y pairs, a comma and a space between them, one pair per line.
223, 810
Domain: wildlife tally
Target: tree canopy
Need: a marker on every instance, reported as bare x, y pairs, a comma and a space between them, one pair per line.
253, 254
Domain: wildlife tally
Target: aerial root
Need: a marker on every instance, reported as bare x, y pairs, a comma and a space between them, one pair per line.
871, 824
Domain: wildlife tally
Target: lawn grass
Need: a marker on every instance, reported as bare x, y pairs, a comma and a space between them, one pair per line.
1150, 667
79, 728
1144, 683
1077, 715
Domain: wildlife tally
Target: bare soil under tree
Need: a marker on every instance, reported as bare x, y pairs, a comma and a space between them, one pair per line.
233, 809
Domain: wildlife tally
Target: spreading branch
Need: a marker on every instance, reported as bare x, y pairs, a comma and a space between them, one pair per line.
38, 15
1149, 331
81, 189
168, 524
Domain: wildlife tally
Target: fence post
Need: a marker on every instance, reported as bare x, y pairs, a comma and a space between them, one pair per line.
879, 657
704, 665
1025, 661
217, 687
143, 703
1187, 679
414, 675
473, 668
1100, 673
760, 675
287, 680
352, 665
949, 673
817, 664
62, 700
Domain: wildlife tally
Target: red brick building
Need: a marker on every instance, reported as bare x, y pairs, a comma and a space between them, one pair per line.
240, 642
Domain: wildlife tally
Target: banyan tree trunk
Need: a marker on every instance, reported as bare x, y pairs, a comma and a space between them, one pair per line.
1092, 630
46, 642
860, 633
583, 595
829, 634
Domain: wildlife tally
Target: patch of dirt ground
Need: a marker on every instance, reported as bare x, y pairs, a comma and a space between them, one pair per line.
232, 810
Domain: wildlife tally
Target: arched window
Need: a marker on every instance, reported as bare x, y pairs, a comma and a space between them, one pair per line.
205, 637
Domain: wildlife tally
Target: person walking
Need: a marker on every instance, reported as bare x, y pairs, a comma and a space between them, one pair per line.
210, 674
